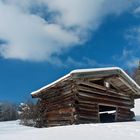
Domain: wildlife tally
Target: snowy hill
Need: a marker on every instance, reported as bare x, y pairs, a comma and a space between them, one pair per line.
108, 131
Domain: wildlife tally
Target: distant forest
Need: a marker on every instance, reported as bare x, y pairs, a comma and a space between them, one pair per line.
8, 111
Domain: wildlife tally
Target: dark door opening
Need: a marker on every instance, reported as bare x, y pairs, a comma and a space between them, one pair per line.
107, 114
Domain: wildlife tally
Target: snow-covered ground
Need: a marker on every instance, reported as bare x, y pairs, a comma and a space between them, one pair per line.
108, 131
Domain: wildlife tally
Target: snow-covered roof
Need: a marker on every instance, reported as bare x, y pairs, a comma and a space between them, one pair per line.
95, 72
53, 83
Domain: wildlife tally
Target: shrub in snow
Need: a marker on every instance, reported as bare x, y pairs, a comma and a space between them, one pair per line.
28, 114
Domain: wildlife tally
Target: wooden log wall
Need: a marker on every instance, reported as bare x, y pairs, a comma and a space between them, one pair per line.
77, 101
58, 106
86, 112
90, 95
124, 114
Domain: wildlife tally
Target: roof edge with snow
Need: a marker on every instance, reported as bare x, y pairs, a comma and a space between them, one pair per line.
95, 71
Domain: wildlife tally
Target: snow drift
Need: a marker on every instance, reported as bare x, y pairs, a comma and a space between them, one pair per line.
107, 131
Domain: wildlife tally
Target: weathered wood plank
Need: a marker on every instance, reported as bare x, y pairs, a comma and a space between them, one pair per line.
60, 118
102, 89
87, 117
94, 110
90, 92
104, 101
63, 110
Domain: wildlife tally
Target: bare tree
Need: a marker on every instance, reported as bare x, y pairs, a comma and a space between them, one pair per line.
8, 111
28, 113
136, 74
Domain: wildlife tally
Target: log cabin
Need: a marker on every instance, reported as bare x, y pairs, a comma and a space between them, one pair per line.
88, 96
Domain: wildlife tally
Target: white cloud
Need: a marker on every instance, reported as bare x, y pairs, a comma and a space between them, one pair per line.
137, 10
83, 63
129, 58
35, 30
29, 36
133, 63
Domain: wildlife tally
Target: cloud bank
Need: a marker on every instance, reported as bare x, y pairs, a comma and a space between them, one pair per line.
38, 30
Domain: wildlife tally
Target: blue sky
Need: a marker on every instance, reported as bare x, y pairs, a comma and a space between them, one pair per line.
41, 41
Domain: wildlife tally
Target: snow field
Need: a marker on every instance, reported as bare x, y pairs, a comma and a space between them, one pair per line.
107, 131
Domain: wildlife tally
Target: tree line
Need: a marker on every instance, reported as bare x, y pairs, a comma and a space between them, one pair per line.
8, 111
26, 112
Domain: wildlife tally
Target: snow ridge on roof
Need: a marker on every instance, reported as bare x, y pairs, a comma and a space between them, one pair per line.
105, 69
90, 70
95, 69
50, 84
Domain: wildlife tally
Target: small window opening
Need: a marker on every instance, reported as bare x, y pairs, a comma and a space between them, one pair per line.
107, 113
107, 85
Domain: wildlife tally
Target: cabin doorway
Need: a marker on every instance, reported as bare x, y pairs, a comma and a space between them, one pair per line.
107, 114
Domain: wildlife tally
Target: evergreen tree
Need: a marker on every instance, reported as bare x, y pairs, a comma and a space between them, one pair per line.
28, 113
1, 116
136, 74
8, 112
